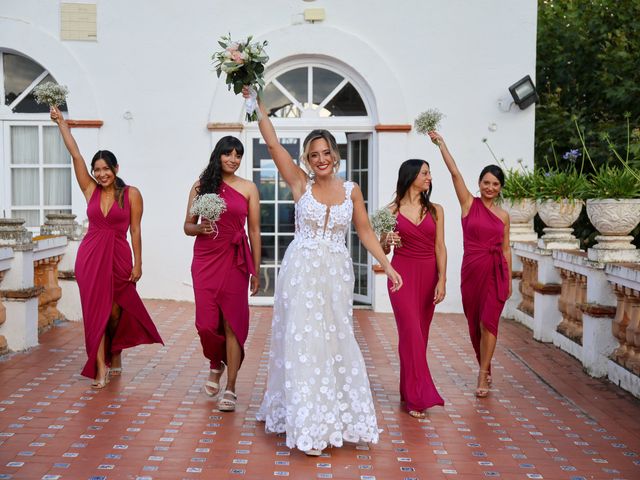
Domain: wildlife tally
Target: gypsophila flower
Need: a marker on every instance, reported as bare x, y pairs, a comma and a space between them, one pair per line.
428, 121
209, 206
572, 155
383, 221
51, 93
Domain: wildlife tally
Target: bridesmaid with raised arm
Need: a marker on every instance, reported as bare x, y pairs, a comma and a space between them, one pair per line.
420, 257
222, 265
486, 263
113, 314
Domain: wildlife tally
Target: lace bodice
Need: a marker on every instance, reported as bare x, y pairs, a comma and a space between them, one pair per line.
311, 217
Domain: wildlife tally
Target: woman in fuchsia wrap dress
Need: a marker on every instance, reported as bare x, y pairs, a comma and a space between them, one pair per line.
486, 263
114, 317
420, 256
223, 265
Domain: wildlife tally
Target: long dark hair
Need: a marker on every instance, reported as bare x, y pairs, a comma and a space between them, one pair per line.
211, 176
494, 170
407, 174
112, 162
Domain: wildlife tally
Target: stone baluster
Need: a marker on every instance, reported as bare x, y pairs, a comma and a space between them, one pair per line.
573, 292
18, 293
64, 224
633, 332
46, 276
620, 323
4, 347
529, 279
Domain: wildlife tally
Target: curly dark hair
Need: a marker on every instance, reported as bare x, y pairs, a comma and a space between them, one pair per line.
407, 173
211, 176
112, 162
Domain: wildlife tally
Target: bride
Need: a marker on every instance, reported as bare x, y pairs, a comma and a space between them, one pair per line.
318, 391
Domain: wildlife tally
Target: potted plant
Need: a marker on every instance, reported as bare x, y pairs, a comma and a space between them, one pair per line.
518, 199
613, 205
560, 195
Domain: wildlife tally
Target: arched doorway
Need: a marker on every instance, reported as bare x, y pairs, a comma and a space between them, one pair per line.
301, 95
36, 167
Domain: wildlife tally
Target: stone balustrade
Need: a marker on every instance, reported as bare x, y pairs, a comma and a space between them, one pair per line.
6, 255
47, 253
64, 224
624, 361
587, 308
36, 276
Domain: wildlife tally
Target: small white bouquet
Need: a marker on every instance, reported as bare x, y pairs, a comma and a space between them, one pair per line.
209, 206
243, 63
383, 221
428, 121
51, 93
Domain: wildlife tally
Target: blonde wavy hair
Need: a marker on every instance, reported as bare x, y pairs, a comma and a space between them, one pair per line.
333, 147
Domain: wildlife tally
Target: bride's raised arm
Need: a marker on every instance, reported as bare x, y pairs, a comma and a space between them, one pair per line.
295, 176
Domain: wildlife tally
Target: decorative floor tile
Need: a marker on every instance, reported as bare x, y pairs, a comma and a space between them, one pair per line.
544, 418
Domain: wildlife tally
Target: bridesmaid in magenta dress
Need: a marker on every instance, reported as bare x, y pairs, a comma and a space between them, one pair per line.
114, 317
486, 263
420, 257
223, 264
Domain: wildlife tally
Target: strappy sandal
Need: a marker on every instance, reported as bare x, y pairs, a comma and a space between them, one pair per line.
482, 392
226, 404
417, 414
100, 384
212, 388
115, 372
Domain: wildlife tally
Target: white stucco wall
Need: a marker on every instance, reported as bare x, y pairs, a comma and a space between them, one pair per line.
152, 59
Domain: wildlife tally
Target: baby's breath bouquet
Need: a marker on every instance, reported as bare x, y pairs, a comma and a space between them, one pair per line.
383, 221
209, 206
428, 121
243, 63
51, 93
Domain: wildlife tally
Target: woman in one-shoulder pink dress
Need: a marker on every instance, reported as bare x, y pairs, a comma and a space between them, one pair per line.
222, 265
420, 257
113, 314
486, 263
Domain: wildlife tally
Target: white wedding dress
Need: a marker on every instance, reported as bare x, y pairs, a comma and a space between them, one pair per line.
317, 391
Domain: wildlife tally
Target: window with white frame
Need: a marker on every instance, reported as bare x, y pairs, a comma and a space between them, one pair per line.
36, 165
312, 91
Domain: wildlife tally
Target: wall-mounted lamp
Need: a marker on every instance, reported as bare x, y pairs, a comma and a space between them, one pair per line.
523, 94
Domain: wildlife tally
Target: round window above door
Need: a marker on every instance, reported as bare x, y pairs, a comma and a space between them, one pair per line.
312, 92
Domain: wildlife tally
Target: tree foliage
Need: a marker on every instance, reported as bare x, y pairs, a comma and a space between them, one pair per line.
588, 66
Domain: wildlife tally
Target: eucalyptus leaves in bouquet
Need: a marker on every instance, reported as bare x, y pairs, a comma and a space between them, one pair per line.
243, 63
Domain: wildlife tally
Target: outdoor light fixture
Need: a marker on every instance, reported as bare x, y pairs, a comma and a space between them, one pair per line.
524, 92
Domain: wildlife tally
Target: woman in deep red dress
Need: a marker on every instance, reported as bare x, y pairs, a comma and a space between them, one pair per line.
222, 265
114, 317
486, 263
420, 257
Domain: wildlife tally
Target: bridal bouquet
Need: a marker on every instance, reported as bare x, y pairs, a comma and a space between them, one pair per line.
383, 221
243, 63
428, 121
51, 93
209, 206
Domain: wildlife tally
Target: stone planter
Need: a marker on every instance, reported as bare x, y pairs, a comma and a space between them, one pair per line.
521, 212
614, 219
558, 216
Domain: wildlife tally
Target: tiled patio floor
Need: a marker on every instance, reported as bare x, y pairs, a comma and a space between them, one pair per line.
544, 419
